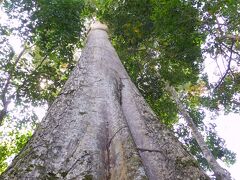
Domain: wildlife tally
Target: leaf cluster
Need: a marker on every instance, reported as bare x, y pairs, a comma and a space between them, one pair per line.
11, 147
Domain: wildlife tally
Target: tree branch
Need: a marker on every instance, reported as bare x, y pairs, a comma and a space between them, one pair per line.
226, 72
227, 36
38, 66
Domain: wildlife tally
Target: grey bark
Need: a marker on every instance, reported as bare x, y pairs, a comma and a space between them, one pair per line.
100, 127
3, 95
219, 172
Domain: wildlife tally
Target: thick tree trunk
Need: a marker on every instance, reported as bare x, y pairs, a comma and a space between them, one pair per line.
101, 128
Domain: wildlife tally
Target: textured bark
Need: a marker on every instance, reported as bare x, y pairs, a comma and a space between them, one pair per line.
219, 172
101, 128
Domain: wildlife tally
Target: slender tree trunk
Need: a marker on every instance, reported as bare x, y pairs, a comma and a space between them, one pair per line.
101, 128
3, 95
219, 172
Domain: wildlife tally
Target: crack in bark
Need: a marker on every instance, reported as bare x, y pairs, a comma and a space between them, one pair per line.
109, 142
82, 158
118, 95
107, 160
149, 150
70, 91
120, 87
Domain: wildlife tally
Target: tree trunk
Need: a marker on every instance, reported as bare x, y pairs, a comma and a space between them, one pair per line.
100, 127
219, 172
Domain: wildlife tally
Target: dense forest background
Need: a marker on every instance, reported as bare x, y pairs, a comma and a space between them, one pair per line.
157, 41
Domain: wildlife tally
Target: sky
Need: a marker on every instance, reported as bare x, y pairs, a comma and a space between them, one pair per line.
228, 126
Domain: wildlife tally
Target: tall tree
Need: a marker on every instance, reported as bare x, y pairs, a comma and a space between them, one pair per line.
151, 37
100, 127
219, 172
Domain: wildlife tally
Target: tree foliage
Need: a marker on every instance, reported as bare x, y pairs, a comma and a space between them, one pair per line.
51, 30
12, 146
156, 40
